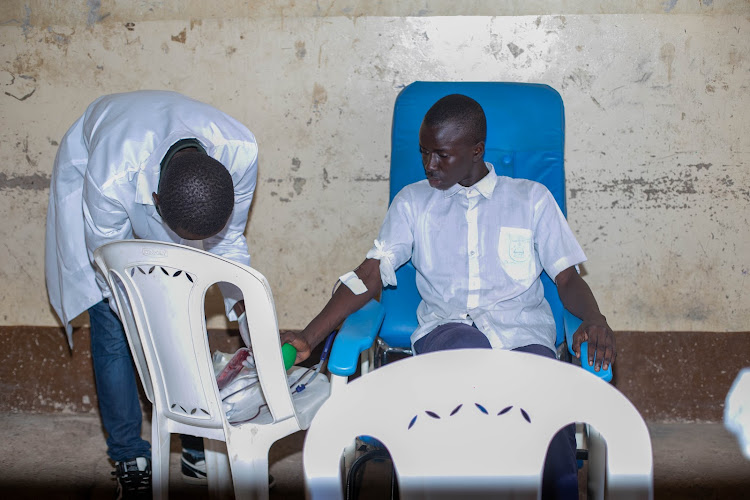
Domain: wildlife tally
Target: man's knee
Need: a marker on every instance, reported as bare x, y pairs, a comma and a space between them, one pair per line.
452, 336
537, 349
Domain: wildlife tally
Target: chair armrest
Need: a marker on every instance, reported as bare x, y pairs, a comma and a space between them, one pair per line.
571, 323
357, 334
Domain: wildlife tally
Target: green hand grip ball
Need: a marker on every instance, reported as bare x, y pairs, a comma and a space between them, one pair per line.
289, 353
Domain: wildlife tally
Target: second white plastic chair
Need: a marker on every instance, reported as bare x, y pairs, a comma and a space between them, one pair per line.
159, 289
475, 423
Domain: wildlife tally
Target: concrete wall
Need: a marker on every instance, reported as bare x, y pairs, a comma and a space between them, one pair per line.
657, 97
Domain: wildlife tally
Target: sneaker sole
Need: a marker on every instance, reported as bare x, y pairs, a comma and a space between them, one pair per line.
203, 480
197, 480
192, 474
194, 480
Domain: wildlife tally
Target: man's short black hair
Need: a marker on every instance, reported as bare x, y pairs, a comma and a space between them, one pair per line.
196, 194
461, 111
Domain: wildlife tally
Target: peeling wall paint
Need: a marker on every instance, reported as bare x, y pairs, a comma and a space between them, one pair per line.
657, 142
38, 182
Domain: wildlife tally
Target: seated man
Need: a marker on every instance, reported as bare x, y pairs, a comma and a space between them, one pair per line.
479, 243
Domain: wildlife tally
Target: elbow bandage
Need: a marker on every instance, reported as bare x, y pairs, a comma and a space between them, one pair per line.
353, 283
387, 272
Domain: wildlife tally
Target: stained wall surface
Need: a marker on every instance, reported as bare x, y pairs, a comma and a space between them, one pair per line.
657, 99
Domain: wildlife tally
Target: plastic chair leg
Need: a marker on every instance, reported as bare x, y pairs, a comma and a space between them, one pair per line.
160, 438
218, 474
597, 464
249, 466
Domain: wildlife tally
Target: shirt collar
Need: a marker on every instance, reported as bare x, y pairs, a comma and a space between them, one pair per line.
147, 181
485, 186
173, 150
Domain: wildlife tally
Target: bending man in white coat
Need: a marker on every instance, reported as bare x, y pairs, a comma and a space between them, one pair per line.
153, 165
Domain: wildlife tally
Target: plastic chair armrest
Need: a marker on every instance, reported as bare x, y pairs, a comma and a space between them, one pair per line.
357, 334
571, 323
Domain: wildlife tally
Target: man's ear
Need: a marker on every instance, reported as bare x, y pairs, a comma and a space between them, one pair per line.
156, 202
479, 151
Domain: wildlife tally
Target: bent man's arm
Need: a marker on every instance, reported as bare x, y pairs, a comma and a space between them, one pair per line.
578, 298
343, 303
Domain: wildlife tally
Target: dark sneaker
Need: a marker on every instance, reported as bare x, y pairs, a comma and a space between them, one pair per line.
193, 467
133, 478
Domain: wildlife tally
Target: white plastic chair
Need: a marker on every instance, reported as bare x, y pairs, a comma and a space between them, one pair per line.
737, 410
475, 423
159, 289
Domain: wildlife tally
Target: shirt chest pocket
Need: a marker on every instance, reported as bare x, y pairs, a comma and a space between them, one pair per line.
516, 252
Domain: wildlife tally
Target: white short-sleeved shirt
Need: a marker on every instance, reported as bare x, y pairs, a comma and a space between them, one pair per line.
479, 252
106, 168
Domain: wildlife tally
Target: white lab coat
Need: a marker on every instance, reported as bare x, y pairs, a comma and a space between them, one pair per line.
106, 168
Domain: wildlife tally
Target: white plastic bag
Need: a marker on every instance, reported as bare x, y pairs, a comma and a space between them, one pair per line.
240, 390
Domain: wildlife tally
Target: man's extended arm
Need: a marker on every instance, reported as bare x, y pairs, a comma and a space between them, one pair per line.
577, 298
343, 303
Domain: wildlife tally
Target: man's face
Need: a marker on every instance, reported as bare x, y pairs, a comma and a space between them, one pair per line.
450, 157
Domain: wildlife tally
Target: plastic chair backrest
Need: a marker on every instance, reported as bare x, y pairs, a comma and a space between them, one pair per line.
525, 138
160, 290
457, 428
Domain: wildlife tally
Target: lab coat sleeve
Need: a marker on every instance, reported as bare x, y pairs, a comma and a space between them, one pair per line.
105, 220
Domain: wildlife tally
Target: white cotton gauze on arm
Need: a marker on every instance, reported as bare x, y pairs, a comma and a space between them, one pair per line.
353, 283
387, 272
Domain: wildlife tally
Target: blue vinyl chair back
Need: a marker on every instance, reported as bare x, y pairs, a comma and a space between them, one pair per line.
525, 139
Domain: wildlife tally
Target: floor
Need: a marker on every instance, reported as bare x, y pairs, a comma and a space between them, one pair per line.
59, 456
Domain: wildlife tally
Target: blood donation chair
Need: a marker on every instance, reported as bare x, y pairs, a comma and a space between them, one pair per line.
525, 139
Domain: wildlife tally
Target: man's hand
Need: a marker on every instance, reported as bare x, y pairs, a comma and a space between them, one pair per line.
601, 341
239, 308
577, 298
239, 311
299, 342
244, 329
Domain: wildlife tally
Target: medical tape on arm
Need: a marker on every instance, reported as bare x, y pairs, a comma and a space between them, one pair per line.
353, 283
387, 273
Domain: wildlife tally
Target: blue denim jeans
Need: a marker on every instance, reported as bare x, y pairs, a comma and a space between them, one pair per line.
117, 389
560, 478
116, 385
